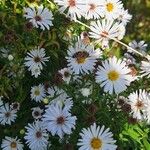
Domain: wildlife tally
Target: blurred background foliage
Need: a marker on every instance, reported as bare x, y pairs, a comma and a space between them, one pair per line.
18, 37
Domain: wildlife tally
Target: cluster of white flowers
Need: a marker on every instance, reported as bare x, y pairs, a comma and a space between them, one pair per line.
94, 9
113, 75
110, 15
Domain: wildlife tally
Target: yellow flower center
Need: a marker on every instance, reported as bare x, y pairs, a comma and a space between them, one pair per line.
13, 145
37, 92
96, 143
81, 56
113, 75
109, 7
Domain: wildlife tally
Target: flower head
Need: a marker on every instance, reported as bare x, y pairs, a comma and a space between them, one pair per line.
73, 7
58, 120
37, 112
66, 74
96, 138
94, 9
105, 29
82, 58
36, 136
139, 102
7, 115
140, 46
11, 144
36, 59
40, 17
114, 75
112, 8
124, 17
38, 93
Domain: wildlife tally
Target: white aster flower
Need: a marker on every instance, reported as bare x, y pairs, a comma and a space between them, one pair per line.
59, 120
114, 75
11, 144
139, 102
140, 46
36, 136
35, 71
112, 8
60, 97
86, 91
36, 59
145, 67
10, 57
39, 17
66, 74
37, 112
124, 17
7, 115
93, 9
96, 138
82, 58
15, 106
74, 7
101, 29
38, 93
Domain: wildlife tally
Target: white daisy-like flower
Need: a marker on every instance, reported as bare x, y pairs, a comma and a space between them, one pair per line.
112, 8
36, 136
59, 120
60, 97
10, 57
39, 17
114, 75
86, 91
15, 106
36, 59
140, 46
101, 29
7, 115
35, 71
96, 138
66, 74
37, 112
11, 144
124, 17
139, 102
82, 58
38, 93
93, 9
145, 67
73, 7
